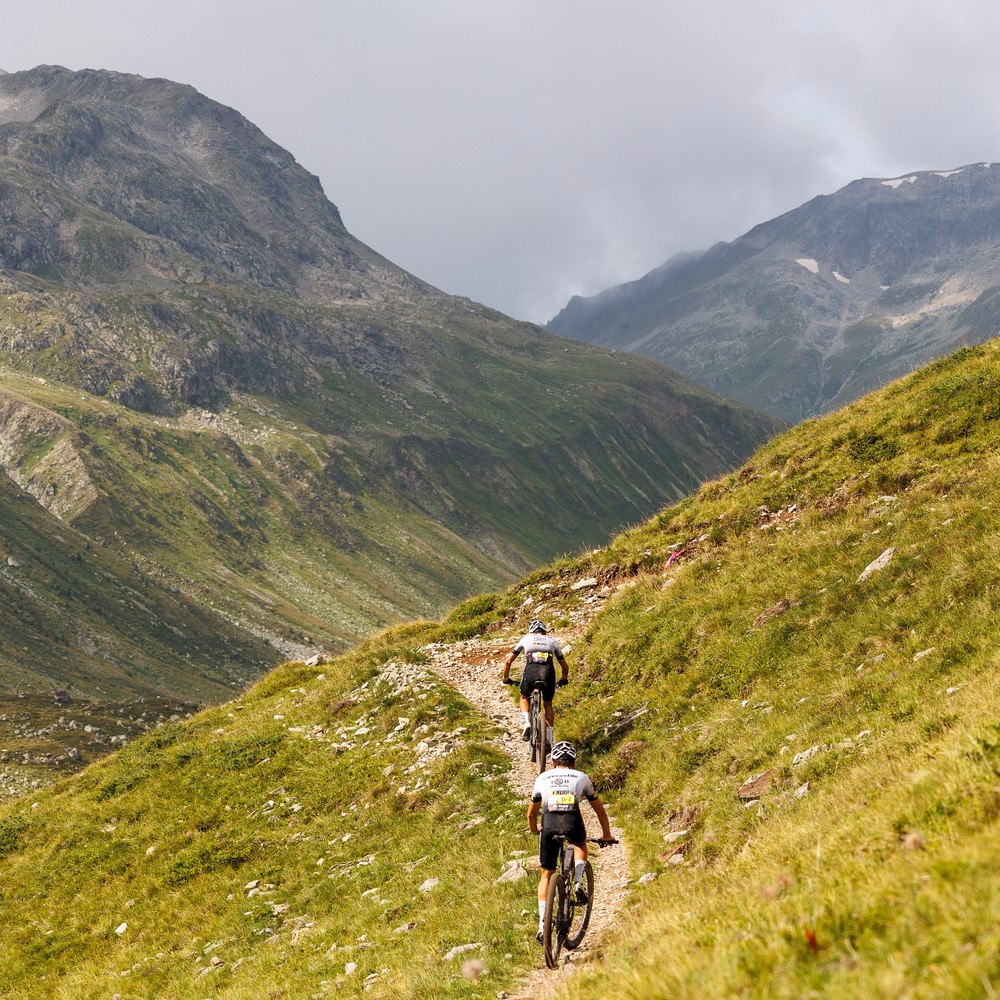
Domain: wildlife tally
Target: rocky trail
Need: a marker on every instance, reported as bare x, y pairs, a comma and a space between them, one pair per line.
474, 668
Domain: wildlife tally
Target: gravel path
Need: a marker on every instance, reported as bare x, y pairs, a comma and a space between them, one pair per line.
474, 668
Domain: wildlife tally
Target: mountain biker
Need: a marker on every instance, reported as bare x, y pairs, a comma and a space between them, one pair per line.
539, 651
558, 792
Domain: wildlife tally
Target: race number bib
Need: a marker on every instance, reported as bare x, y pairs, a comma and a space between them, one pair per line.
562, 801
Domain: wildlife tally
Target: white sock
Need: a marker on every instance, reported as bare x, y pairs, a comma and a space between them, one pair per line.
527, 719
541, 914
581, 867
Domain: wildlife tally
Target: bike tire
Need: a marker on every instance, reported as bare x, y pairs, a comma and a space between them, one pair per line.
533, 727
552, 932
579, 913
542, 750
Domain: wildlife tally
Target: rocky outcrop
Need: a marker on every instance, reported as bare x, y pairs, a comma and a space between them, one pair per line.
39, 453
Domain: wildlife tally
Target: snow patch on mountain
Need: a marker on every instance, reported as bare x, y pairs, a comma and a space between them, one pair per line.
899, 181
809, 264
841, 278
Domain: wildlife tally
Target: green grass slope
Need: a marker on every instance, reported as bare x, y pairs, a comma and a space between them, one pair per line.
863, 865
76, 616
371, 491
334, 832
260, 848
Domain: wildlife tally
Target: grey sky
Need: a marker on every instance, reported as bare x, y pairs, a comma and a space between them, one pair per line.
522, 151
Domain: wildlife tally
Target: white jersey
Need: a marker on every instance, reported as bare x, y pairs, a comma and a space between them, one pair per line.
539, 648
561, 789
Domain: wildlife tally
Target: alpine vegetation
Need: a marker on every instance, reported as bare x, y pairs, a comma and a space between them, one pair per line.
784, 687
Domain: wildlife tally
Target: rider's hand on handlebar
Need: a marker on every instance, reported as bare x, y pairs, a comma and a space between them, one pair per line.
508, 680
606, 843
562, 682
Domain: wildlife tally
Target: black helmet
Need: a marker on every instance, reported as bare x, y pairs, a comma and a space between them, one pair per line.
537, 626
564, 751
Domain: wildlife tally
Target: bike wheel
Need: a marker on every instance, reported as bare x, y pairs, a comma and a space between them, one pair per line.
552, 933
542, 750
579, 913
533, 727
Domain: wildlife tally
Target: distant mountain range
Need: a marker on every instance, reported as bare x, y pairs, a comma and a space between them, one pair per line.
815, 308
233, 401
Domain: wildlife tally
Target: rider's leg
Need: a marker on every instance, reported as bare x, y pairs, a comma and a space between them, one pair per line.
526, 715
543, 892
579, 863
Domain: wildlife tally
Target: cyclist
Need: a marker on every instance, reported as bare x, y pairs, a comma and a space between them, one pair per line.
558, 793
539, 651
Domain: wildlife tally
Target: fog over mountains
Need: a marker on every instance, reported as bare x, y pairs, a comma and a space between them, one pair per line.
818, 306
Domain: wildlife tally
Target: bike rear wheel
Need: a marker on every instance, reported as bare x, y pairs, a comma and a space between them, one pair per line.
552, 930
539, 749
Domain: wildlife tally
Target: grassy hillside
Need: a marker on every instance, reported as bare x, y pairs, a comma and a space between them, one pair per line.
855, 714
375, 489
75, 615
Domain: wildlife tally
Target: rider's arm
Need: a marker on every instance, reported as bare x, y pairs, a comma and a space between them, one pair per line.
533, 816
565, 667
507, 663
602, 816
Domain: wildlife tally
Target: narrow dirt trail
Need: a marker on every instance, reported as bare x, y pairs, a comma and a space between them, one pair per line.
474, 668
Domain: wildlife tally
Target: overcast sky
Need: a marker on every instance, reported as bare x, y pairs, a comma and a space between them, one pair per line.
519, 152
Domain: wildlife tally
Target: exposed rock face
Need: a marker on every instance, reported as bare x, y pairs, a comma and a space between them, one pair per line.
204, 194
811, 310
37, 451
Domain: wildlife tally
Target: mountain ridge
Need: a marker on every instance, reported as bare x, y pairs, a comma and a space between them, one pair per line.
815, 307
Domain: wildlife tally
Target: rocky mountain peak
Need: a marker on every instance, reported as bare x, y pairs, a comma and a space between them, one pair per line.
168, 184
810, 310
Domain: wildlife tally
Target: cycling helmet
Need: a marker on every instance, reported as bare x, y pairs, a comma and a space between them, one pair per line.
564, 751
537, 626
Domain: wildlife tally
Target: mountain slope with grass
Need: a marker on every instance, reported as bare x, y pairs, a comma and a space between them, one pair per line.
206, 374
785, 686
810, 310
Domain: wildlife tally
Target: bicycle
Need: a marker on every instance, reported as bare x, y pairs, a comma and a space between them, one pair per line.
566, 920
537, 741
538, 748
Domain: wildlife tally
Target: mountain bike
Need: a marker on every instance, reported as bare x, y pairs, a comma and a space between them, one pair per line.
566, 920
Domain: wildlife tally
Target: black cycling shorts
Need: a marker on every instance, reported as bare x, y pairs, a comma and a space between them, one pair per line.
545, 672
568, 824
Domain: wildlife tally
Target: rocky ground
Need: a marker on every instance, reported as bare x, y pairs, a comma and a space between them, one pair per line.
45, 738
475, 667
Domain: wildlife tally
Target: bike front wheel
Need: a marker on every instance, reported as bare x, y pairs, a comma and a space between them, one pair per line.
579, 913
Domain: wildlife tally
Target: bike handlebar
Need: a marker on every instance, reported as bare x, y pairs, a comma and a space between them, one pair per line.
590, 840
538, 683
